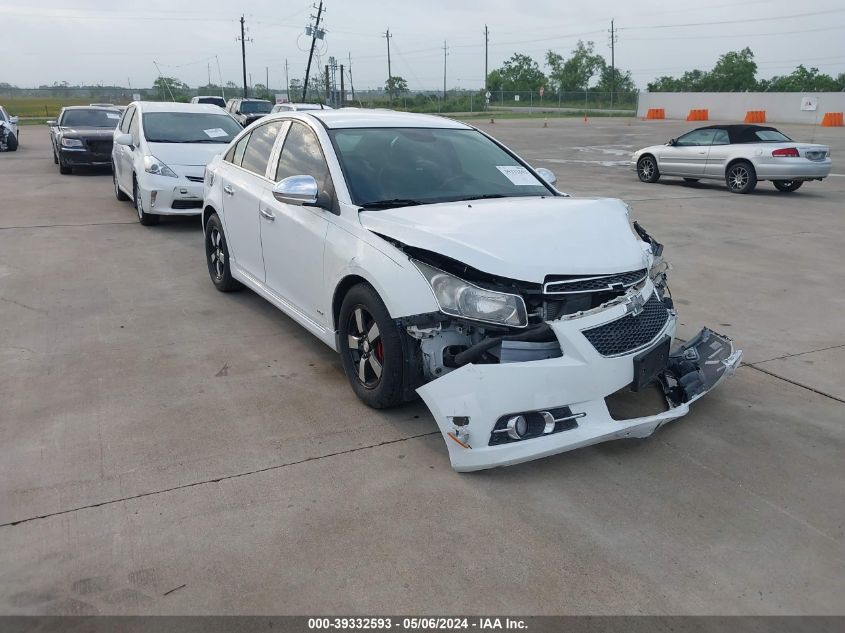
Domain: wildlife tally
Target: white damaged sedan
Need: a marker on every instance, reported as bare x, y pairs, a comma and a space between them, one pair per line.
438, 263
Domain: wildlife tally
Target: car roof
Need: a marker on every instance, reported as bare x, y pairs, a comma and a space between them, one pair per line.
171, 106
354, 117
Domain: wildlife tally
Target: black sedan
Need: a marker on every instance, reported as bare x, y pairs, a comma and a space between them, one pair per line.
82, 136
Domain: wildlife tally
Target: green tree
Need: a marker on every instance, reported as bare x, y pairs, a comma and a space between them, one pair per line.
736, 71
804, 80
613, 79
574, 73
167, 88
395, 86
518, 73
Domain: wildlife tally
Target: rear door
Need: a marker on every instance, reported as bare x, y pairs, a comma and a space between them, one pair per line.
244, 182
688, 156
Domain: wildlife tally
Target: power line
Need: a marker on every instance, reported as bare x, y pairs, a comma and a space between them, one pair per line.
756, 19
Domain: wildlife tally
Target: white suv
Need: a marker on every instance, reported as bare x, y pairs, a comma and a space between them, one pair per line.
159, 155
437, 262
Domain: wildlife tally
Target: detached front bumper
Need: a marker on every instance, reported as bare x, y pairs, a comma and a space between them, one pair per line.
470, 403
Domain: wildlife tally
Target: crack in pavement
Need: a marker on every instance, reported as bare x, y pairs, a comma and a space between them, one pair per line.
792, 382
812, 351
217, 479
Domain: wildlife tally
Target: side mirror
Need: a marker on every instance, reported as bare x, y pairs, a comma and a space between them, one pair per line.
51, 123
13, 119
546, 174
299, 190
672, 141
125, 139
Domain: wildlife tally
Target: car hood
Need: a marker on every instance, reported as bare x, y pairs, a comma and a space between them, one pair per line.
520, 238
102, 133
186, 154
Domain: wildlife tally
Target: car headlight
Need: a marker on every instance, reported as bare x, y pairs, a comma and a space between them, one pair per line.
460, 298
71, 142
153, 165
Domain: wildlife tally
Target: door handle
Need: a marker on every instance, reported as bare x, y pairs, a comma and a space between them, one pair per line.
228, 190
267, 214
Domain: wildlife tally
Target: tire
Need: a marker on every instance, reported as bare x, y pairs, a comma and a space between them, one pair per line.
787, 186
217, 256
691, 180
741, 177
64, 169
647, 170
118, 193
147, 219
12, 143
372, 350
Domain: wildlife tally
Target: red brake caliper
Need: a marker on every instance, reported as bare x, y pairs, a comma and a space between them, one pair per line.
379, 352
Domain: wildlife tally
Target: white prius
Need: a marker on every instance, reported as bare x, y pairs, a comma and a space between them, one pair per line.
159, 154
438, 263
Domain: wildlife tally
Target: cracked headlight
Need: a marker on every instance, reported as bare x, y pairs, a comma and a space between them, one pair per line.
460, 298
153, 165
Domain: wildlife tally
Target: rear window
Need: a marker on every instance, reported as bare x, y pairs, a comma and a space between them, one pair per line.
256, 107
771, 136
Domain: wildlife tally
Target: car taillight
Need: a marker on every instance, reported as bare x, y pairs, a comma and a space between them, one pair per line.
786, 151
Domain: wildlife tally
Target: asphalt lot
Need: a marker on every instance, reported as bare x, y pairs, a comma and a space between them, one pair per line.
166, 448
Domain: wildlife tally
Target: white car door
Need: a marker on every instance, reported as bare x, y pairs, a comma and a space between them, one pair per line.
244, 185
293, 237
688, 156
120, 152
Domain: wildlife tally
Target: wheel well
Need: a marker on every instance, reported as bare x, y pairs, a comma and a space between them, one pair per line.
648, 156
340, 292
739, 160
206, 213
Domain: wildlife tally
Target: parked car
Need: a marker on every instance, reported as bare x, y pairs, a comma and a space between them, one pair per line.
160, 152
436, 261
210, 99
9, 134
247, 111
741, 155
82, 136
294, 107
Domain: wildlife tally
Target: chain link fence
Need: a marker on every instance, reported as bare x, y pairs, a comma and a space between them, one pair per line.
46, 102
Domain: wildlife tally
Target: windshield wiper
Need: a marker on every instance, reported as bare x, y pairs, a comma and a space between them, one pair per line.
486, 196
393, 202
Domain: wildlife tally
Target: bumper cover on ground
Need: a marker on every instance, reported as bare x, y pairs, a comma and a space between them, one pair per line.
480, 395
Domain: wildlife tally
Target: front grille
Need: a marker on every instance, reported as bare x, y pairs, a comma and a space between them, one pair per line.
195, 178
616, 281
187, 204
631, 332
100, 147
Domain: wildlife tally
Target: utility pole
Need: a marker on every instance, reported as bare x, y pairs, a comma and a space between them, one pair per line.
444, 69
209, 73
287, 81
351, 85
613, 38
387, 36
243, 40
267, 78
311, 54
486, 42
342, 88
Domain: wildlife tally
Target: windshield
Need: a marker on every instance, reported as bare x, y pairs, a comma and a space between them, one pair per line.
189, 127
256, 107
91, 118
423, 165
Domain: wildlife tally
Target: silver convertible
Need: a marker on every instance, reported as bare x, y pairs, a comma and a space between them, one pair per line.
741, 155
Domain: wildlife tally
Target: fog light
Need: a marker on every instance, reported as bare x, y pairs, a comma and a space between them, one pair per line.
517, 427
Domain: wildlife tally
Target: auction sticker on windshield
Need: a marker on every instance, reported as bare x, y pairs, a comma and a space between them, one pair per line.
517, 175
216, 132
112, 115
